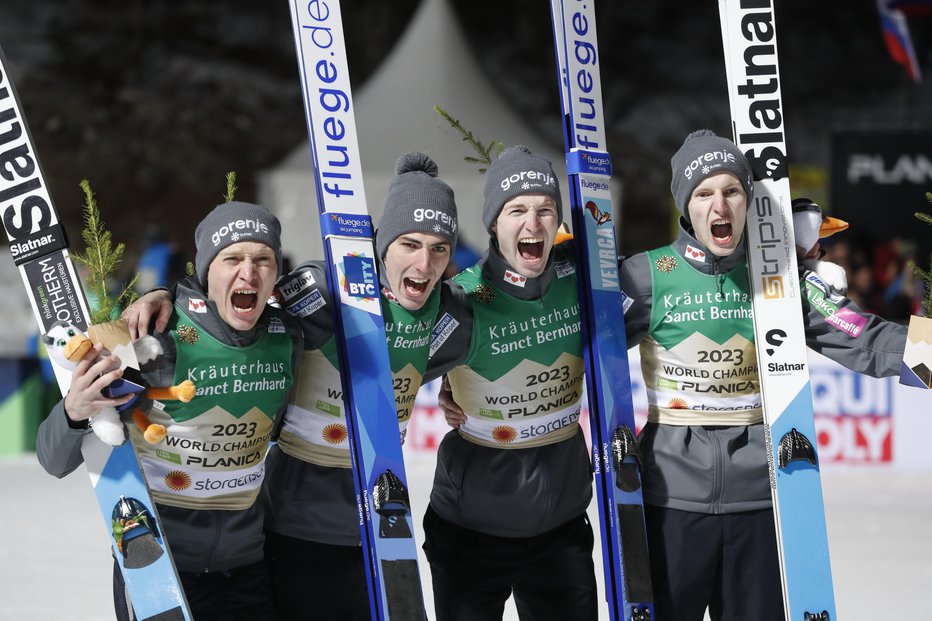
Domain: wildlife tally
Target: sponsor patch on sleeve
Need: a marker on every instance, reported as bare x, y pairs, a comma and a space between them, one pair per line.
444, 327
626, 303
564, 268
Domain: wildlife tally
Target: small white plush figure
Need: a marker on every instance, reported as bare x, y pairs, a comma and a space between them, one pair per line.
67, 345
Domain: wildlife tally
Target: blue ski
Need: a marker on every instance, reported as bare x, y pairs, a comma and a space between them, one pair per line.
608, 381
40, 251
749, 37
375, 442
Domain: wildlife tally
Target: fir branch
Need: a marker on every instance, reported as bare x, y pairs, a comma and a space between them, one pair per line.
231, 187
101, 260
484, 152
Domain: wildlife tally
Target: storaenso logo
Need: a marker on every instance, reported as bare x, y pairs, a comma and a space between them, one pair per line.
238, 229
421, 214
762, 88
527, 176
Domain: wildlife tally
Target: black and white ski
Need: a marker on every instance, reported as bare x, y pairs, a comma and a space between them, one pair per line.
749, 37
608, 380
375, 442
40, 251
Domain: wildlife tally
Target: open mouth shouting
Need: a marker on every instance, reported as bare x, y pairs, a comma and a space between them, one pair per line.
722, 233
415, 287
244, 301
531, 250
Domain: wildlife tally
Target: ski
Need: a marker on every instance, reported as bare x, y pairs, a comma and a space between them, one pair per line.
608, 380
749, 38
386, 523
40, 251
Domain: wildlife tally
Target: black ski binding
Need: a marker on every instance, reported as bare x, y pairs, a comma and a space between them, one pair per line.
638, 614
623, 445
136, 533
794, 446
391, 501
817, 616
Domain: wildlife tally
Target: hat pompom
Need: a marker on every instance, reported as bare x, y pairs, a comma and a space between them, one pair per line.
699, 133
416, 161
518, 148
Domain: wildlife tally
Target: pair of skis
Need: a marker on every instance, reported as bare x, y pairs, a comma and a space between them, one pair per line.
40, 251
608, 380
375, 443
749, 40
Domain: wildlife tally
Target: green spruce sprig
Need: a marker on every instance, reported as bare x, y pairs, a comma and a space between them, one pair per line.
231, 187
925, 275
484, 152
102, 260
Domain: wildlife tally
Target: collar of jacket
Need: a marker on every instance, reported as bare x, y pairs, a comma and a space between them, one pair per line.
495, 266
711, 264
189, 288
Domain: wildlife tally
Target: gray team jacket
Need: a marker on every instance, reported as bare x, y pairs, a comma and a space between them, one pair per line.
201, 540
717, 469
304, 500
543, 487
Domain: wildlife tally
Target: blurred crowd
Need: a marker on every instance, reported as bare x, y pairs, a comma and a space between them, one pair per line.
880, 276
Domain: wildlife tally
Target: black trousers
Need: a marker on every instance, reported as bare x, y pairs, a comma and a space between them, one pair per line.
727, 563
316, 580
241, 594
551, 575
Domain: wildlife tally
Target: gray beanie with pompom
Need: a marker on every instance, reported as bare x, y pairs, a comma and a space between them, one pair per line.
702, 155
417, 202
234, 222
517, 171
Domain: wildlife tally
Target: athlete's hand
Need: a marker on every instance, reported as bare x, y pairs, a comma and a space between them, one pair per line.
451, 411
139, 314
89, 378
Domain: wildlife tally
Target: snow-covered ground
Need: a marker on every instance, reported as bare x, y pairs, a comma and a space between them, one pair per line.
54, 564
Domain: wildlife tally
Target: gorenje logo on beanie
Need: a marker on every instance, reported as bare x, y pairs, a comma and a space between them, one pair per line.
445, 221
540, 178
710, 160
237, 229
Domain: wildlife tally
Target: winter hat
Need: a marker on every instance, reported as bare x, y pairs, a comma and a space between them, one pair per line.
417, 201
234, 222
518, 171
809, 225
704, 154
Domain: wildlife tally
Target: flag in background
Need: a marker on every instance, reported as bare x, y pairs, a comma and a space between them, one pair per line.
896, 34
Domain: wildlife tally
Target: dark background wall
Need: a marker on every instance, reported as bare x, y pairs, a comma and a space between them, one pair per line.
154, 101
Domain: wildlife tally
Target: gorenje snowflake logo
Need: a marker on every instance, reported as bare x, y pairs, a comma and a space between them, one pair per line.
705, 170
438, 228
525, 186
234, 236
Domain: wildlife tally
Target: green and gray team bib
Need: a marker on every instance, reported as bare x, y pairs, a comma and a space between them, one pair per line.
699, 360
213, 456
522, 382
315, 425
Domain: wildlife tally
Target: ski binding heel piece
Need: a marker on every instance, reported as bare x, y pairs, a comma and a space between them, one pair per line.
817, 616
638, 614
794, 446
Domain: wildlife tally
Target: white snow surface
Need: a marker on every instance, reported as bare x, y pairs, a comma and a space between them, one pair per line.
55, 563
